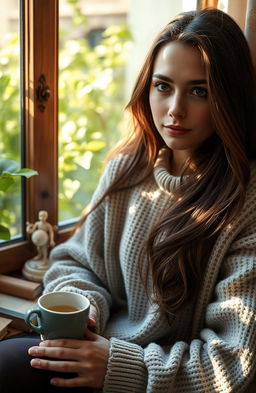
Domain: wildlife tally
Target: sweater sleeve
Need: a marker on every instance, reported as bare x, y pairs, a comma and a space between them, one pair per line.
77, 265
222, 359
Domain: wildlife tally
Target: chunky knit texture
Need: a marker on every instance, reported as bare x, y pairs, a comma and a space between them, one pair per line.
210, 345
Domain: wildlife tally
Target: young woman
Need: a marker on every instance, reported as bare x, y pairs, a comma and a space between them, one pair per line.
167, 255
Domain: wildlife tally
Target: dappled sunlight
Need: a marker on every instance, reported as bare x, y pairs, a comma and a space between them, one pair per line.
152, 195
73, 47
70, 146
70, 187
101, 50
97, 135
245, 356
64, 60
245, 361
67, 130
85, 90
236, 305
10, 139
4, 60
200, 215
87, 209
85, 160
81, 132
220, 374
104, 79
91, 102
132, 209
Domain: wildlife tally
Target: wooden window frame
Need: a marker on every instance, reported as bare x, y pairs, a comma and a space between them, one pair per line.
41, 25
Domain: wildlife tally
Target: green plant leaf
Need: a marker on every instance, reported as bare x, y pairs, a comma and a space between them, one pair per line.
7, 166
4, 233
24, 172
6, 181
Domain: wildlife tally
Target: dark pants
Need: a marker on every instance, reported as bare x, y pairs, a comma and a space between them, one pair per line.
17, 375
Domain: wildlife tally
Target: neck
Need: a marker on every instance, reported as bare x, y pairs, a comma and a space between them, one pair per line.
177, 163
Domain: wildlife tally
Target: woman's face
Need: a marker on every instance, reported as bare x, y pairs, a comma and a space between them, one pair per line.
179, 99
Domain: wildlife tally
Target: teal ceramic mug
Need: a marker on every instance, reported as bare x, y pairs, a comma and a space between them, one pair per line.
59, 315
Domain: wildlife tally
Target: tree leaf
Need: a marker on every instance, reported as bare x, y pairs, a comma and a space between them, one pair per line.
95, 145
6, 181
4, 82
4, 233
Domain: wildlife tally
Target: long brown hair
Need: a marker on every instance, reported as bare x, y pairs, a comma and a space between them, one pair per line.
180, 243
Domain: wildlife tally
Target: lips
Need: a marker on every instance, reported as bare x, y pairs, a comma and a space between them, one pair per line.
176, 130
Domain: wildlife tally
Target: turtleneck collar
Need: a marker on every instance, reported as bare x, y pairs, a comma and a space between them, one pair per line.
165, 180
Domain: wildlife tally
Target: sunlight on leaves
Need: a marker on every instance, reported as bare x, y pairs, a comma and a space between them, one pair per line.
85, 160
91, 109
70, 187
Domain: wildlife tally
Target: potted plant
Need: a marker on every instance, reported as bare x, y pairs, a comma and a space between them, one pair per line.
8, 173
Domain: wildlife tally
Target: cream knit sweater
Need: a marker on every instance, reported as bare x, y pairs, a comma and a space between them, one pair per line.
210, 346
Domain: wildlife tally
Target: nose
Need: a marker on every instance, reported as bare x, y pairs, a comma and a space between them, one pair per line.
177, 107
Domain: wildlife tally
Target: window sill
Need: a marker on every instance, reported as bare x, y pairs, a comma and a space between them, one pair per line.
14, 255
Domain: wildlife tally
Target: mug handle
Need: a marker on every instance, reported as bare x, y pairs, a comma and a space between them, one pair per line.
27, 318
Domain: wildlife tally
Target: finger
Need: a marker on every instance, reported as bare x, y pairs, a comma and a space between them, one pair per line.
63, 342
91, 328
68, 382
60, 366
91, 322
54, 353
89, 335
92, 315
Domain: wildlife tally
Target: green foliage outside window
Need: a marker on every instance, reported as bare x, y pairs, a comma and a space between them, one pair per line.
91, 103
10, 203
8, 173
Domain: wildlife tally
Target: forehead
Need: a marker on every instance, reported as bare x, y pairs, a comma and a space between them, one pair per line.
180, 62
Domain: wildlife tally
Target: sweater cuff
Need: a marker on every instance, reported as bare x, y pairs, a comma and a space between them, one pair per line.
126, 371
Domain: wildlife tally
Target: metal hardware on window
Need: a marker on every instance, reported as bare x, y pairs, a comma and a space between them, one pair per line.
42, 93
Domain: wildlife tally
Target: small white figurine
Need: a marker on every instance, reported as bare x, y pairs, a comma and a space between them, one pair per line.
42, 235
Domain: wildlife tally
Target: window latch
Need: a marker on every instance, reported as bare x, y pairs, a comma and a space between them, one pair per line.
42, 93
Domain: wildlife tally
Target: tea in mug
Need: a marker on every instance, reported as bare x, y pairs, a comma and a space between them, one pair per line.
62, 308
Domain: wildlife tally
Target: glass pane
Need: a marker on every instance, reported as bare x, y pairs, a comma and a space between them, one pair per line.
102, 45
10, 110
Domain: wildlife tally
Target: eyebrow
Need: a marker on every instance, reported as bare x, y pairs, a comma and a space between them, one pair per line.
192, 82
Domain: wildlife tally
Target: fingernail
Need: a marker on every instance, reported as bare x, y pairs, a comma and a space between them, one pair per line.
33, 351
35, 362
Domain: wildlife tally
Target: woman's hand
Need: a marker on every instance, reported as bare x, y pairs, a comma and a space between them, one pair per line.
92, 317
88, 358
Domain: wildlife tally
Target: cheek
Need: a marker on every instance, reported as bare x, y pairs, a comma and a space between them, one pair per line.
157, 106
204, 116
153, 106
207, 123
